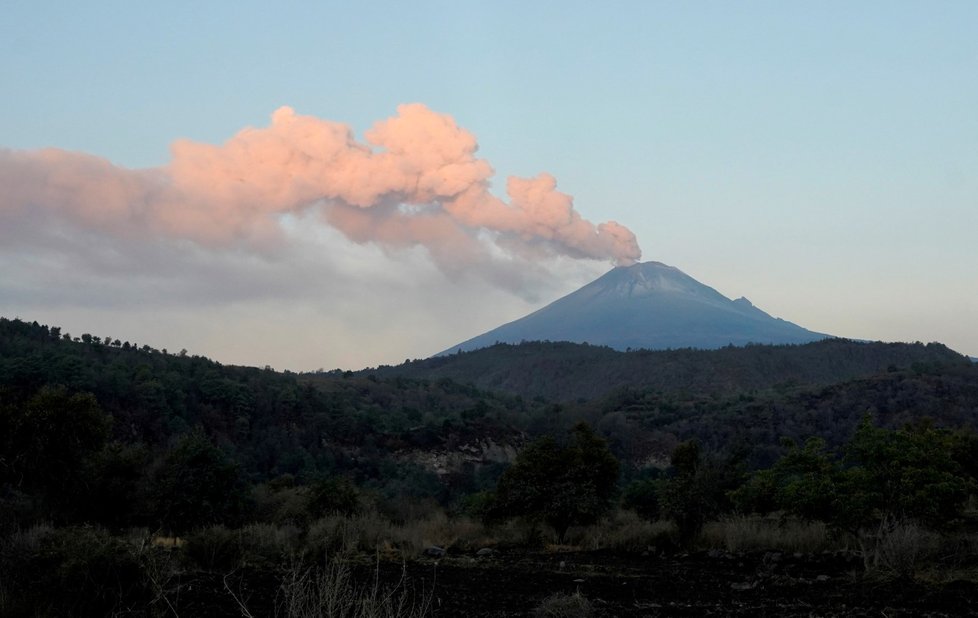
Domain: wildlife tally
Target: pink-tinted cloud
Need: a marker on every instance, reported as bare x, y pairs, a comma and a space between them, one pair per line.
416, 181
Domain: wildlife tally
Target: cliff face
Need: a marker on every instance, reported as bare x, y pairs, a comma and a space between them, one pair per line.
463, 457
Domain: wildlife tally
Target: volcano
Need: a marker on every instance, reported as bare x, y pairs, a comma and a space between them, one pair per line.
647, 305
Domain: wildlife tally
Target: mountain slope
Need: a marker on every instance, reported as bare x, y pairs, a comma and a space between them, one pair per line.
648, 305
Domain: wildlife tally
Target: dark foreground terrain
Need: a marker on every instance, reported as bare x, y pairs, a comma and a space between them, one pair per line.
514, 583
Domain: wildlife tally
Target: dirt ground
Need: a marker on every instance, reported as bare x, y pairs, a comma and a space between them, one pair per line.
512, 583
704, 584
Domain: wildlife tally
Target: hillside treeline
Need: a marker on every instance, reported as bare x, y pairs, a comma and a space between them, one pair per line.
138, 406
570, 372
356, 425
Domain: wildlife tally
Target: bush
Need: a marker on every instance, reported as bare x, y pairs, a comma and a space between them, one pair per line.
330, 590
267, 543
75, 571
338, 534
333, 496
698, 491
196, 485
624, 531
370, 532
562, 605
16, 510
559, 485
886, 479
901, 548
746, 533
643, 498
281, 505
214, 548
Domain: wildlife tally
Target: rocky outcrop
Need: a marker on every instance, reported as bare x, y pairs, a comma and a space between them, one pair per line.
444, 461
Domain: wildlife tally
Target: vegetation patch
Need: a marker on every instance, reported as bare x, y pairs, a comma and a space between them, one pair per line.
138, 482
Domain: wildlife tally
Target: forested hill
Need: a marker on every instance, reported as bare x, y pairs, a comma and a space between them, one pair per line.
269, 423
645, 424
570, 372
391, 429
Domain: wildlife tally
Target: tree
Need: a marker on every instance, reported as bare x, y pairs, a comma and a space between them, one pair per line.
642, 496
195, 485
911, 473
561, 485
45, 441
333, 495
698, 489
114, 484
886, 479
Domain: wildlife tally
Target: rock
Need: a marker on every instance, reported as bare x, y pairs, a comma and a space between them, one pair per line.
743, 585
434, 551
485, 552
822, 578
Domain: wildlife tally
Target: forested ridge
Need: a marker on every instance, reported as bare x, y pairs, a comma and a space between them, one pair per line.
756, 421
267, 423
561, 371
340, 422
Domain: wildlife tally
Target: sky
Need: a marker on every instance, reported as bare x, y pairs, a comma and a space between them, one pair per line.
339, 185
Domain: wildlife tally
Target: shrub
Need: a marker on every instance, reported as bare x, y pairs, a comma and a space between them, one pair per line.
624, 531
643, 498
331, 496
698, 491
563, 605
196, 485
337, 534
76, 571
749, 533
901, 548
276, 504
16, 509
214, 548
369, 532
559, 485
330, 590
268, 543
887, 478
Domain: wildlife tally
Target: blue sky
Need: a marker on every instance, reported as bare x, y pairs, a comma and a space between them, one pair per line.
818, 158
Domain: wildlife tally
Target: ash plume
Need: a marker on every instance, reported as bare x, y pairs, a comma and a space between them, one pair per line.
414, 181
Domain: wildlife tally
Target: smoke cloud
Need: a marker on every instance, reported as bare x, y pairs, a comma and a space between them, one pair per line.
416, 181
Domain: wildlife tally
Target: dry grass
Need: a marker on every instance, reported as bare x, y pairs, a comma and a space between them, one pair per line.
269, 542
167, 542
344, 535
369, 532
623, 531
29, 540
462, 532
20, 543
902, 547
957, 551
564, 606
329, 590
748, 533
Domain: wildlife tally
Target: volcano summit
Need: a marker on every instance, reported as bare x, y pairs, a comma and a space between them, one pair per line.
647, 305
